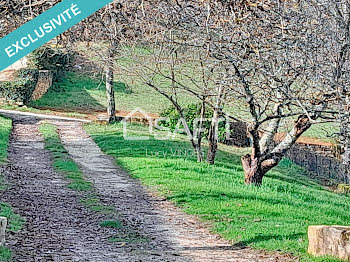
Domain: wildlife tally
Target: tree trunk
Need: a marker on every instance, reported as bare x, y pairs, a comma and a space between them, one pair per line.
198, 146
344, 135
213, 138
109, 87
214, 128
253, 173
255, 169
198, 149
257, 164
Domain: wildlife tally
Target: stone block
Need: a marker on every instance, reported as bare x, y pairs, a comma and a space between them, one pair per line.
329, 241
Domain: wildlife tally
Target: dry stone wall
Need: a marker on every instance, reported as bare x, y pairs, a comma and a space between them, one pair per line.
319, 160
43, 84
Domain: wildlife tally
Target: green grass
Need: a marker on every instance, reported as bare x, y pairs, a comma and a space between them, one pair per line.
15, 224
5, 209
94, 204
62, 161
273, 217
111, 224
5, 130
15, 221
5, 254
82, 93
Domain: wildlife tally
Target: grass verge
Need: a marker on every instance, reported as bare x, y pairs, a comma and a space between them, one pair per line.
15, 222
274, 217
5, 130
62, 161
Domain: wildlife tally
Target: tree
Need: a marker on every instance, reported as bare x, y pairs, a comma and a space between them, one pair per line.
110, 26
263, 48
15, 13
174, 67
266, 51
163, 71
331, 27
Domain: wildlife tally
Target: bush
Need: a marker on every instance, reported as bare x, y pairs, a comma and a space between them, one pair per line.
21, 89
58, 61
192, 112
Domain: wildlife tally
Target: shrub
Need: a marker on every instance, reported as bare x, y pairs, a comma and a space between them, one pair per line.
22, 87
192, 112
58, 61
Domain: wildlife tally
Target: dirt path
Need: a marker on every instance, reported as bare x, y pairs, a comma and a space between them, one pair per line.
59, 228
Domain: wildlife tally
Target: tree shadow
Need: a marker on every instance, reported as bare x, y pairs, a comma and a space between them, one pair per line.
78, 93
120, 87
262, 238
237, 246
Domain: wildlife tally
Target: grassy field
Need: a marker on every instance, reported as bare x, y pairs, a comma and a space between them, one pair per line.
79, 93
83, 94
15, 222
273, 217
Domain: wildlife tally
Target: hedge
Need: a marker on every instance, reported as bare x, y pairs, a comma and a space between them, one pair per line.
21, 89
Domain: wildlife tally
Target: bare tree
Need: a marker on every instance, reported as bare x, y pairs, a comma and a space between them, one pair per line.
263, 48
267, 53
110, 26
163, 71
175, 67
331, 39
15, 13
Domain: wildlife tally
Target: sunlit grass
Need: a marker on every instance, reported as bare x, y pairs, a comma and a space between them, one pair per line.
5, 130
5, 254
85, 94
273, 217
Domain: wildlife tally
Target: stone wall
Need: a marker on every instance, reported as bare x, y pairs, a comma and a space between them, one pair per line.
319, 160
239, 136
329, 241
43, 84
